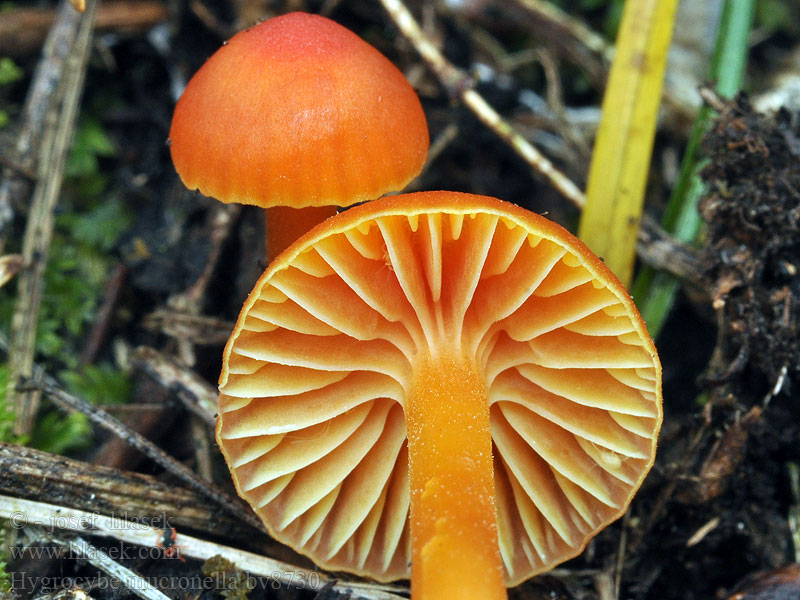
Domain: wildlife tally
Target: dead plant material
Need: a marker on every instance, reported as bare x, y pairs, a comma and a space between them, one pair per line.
115, 426
10, 265
196, 329
39, 226
722, 461
23, 29
105, 314
197, 395
780, 584
33, 474
752, 258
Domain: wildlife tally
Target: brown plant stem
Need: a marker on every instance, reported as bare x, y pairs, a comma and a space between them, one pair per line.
39, 229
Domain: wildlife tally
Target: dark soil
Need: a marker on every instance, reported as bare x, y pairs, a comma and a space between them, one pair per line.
752, 252
715, 507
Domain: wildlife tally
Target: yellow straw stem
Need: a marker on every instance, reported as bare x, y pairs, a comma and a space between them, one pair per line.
621, 157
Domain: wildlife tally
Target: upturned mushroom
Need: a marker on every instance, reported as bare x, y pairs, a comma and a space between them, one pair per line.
439, 385
298, 115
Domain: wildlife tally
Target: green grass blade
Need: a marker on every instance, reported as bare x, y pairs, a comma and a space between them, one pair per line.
655, 292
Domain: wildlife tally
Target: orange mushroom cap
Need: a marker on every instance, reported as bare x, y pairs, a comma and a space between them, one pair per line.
401, 332
298, 111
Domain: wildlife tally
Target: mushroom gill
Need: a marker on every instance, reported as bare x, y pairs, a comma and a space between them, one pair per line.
407, 331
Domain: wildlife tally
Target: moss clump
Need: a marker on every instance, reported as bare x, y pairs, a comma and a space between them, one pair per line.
231, 582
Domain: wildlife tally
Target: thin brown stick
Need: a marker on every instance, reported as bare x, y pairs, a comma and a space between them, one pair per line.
571, 39
39, 229
620, 562
22, 29
220, 221
573, 27
202, 447
100, 417
102, 321
197, 395
438, 145
184, 318
191, 328
661, 251
40, 102
15, 167
460, 85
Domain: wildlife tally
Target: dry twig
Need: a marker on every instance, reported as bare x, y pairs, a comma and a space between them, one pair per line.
185, 327
33, 474
575, 28
661, 251
104, 316
39, 104
460, 85
197, 395
220, 221
39, 229
79, 547
23, 29
22, 513
115, 426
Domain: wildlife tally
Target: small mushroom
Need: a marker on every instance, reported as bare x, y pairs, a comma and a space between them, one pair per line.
297, 112
439, 381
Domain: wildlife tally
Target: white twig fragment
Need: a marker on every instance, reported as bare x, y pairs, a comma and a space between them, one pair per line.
21, 513
80, 547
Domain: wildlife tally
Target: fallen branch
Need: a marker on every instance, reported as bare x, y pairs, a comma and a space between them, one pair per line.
39, 228
79, 547
21, 513
23, 30
100, 417
33, 474
20, 169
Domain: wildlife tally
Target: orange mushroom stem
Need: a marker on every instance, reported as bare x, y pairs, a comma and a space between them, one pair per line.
455, 551
284, 224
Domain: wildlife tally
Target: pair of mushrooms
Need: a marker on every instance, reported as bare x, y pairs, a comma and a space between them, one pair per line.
437, 384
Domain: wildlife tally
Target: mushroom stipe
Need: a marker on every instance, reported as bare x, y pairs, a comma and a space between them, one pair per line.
439, 380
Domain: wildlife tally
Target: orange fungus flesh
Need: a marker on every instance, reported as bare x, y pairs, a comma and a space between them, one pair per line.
441, 386
285, 224
298, 111
455, 552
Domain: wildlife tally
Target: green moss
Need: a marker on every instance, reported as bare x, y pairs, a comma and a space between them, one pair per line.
5, 579
9, 71
232, 583
88, 226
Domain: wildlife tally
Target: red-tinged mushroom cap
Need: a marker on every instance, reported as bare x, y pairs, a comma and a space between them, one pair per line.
439, 379
298, 111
